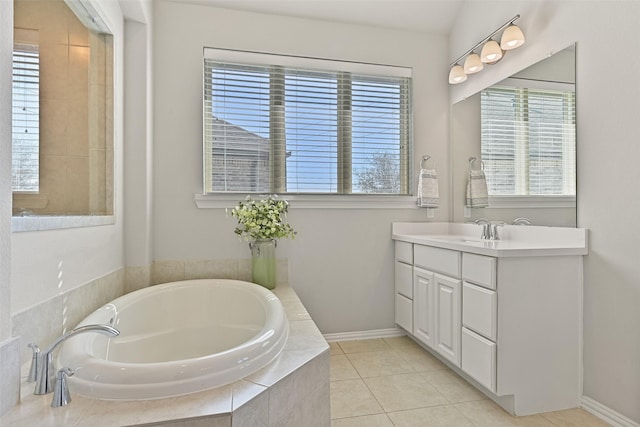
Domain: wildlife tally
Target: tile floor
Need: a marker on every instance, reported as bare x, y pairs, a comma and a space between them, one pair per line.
393, 382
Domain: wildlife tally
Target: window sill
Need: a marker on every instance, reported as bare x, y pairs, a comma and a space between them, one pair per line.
530, 202
306, 201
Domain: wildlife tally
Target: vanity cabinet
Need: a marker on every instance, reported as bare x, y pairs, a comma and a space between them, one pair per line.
436, 312
508, 323
404, 285
435, 297
479, 319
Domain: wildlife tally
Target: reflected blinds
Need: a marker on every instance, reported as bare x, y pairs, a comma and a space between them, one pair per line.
287, 129
25, 119
528, 141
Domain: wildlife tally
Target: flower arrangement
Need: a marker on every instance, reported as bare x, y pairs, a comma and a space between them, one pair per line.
262, 219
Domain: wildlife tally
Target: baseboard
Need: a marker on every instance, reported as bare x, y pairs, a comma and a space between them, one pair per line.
606, 414
364, 335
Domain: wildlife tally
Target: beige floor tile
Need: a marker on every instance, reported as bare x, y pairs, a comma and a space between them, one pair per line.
420, 359
454, 388
485, 413
574, 418
360, 346
406, 391
342, 369
379, 420
334, 349
400, 342
437, 416
351, 398
379, 363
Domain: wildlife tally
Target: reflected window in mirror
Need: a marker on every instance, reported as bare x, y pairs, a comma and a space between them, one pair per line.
62, 110
528, 139
25, 171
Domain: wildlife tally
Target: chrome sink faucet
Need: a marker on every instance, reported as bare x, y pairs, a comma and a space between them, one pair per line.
522, 221
45, 371
487, 231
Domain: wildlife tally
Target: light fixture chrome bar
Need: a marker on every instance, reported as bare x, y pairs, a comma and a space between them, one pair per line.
486, 39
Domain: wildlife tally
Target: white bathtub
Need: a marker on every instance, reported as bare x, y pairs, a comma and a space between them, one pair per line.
177, 338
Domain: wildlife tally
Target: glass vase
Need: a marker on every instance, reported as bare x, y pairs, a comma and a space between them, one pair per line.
263, 262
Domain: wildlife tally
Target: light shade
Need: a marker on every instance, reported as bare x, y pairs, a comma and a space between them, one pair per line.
457, 75
491, 52
473, 64
511, 38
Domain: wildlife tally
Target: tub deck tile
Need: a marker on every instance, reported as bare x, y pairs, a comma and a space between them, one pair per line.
247, 400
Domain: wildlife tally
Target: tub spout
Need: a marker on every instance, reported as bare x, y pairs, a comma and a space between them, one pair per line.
45, 375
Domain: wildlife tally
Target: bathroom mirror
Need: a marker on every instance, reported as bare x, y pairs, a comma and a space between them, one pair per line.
63, 132
524, 126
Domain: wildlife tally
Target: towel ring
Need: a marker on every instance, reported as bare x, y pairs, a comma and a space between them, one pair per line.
472, 161
424, 160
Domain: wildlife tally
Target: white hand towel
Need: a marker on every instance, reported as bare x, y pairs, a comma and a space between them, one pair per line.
428, 196
477, 194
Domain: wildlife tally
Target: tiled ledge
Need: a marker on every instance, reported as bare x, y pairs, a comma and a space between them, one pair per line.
292, 390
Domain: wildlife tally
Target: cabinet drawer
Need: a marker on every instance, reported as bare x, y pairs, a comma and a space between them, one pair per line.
436, 259
479, 358
404, 279
404, 252
404, 313
480, 310
479, 269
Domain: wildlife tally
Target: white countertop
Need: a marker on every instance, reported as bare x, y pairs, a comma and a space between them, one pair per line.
515, 241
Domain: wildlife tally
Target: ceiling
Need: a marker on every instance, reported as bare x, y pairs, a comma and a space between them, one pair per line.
427, 16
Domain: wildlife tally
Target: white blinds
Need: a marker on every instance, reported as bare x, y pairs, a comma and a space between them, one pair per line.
275, 128
26, 119
528, 141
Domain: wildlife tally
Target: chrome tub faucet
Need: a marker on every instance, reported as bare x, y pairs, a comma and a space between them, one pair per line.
44, 367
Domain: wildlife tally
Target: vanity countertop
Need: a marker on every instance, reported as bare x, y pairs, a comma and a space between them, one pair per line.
515, 241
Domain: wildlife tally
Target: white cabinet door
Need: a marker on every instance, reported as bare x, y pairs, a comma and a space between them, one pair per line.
423, 310
448, 302
479, 358
404, 279
404, 313
480, 310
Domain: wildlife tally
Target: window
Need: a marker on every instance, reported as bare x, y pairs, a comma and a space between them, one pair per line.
26, 119
529, 141
283, 124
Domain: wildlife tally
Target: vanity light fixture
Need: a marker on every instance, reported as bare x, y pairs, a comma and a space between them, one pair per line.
512, 38
457, 74
473, 64
491, 51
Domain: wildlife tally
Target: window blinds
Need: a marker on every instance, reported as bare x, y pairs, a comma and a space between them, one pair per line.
26, 119
285, 129
528, 141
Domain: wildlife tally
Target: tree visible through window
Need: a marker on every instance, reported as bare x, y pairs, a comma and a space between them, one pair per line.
26, 119
285, 129
528, 141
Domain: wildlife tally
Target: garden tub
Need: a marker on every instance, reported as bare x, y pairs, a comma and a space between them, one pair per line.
177, 338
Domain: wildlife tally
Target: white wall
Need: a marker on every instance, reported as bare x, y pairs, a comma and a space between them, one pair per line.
608, 102
47, 263
6, 52
341, 261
